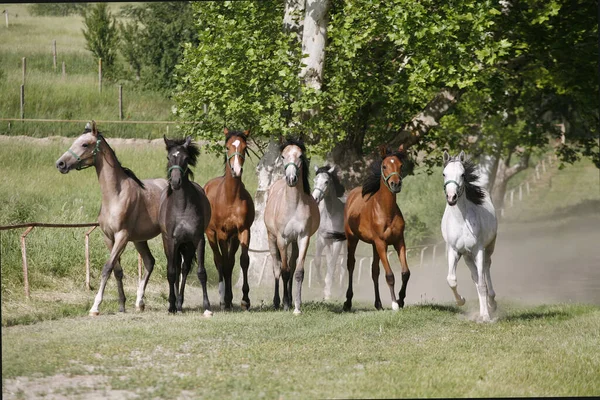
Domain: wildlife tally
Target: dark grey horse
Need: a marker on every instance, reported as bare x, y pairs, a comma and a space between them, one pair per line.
183, 216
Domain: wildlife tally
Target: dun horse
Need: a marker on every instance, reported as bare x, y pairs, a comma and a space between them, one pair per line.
469, 228
129, 210
291, 218
183, 216
372, 215
232, 217
327, 191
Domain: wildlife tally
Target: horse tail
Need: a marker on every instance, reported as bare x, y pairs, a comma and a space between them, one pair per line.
335, 236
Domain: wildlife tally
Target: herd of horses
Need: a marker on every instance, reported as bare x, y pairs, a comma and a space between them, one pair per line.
185, 214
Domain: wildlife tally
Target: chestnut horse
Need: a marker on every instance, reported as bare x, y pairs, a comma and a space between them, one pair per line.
129, 210
291, 217
183, 216
373, 216
232, 217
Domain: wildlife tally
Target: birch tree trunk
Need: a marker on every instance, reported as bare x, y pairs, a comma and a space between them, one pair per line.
314, 38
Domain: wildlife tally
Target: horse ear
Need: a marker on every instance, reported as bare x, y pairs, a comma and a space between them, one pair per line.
401, 148
331, 169
462, 156
446, 157
225, 131
382, 151
94, 129
167, 141
247, 132
188, 140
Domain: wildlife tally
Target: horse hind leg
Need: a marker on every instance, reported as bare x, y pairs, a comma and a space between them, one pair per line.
351, 262
244, 239
233, 245
116, 249
375, 277
488, 278
144, 251
276, 257
202, 276
188, 257
453, 258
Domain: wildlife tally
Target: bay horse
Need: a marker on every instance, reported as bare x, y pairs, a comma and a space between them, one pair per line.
291, 218
327, 191
232, 216
373, 216
129, 210
469, 227
183, 216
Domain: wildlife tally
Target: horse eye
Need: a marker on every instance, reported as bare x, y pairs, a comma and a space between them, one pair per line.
84, 145
443, 175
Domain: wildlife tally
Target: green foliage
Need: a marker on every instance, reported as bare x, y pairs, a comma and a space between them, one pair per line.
100, 32
153, 40
57, 9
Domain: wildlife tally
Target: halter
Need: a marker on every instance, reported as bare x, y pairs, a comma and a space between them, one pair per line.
233, 155
288, 164
320, 190
459, 188
387, 178
183, 171
79, 165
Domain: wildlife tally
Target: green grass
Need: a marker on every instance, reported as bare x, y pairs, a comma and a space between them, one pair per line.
49, 96
422, 351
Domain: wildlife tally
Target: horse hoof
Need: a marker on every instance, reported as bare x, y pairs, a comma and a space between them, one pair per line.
207, 313
493, 305
141, 308
94, 313
460, 302
297, 312
245, 305
347, 306
395, 306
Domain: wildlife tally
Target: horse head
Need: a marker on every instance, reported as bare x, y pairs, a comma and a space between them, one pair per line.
325, 179
182, 154
454, 177
236, 144
295, 164
83, 151
391, 168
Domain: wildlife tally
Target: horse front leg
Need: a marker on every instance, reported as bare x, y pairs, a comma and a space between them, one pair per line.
404, 272
116, 246
218, 259
233, 245
172, 256
318, 258
244, 238
202, 276
276, 257
482, 289
352, 243
389, 275
224, 249
188, 257
302, 247
453, 258
375, 277
144, 251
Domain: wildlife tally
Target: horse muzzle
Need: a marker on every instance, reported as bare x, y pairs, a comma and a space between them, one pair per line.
292, 181
396, 187
452, 199
62, 166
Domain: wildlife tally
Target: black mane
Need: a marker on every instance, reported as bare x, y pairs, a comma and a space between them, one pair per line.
337, 185
372, 182
192, 151
305, 161
127, 171
475, 193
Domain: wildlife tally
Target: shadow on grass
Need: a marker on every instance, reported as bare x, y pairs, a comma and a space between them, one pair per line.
438, 307
537, 315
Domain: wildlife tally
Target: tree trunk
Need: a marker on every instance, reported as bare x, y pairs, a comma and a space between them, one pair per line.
314, 38
503, 175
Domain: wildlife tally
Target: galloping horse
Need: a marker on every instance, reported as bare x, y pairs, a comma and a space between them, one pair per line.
232, 217
291, 218
469, 227
183, 216
372, 215
129, 211
327, 191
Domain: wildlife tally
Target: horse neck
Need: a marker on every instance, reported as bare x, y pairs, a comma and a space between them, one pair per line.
385, 198
180, 197
331, 200
232, 186
110, 173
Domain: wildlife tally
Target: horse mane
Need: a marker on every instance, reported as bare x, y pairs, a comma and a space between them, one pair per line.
337, 185
127, 171
475, 193
193, 152
372, 182
305, 161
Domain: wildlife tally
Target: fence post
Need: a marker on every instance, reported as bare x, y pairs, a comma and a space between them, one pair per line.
433, 256
54, 54
310, 269
527, 186
537, 172
87, 258
543, 165
512, 195
22, 101
121, 102
24, 62
521, 192
422, 254
100, 75
25, 268
64, 70
6, 17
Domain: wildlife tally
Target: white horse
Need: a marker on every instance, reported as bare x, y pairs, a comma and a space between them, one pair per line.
327, 191
469, 227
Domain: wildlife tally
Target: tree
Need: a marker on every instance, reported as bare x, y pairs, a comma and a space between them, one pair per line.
100, 32
57, 9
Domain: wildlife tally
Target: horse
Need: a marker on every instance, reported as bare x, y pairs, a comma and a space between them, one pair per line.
326, 192
184, 214
129, 210
373, 216
232, 216
291, 218
469, 227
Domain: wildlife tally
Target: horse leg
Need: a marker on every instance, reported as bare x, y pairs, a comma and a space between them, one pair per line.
276, 257
233, 246
218, 258
117, 246
318, 258
285, 272
173, 257
389, 275
488, 278
188, 257
202, 276
299, 250
293, 263
244, 239
404, 271
352, 243
375, 277
144, 250
475, 264
332, 266
453, 258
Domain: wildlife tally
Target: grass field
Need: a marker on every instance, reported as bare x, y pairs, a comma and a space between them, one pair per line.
49, 96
